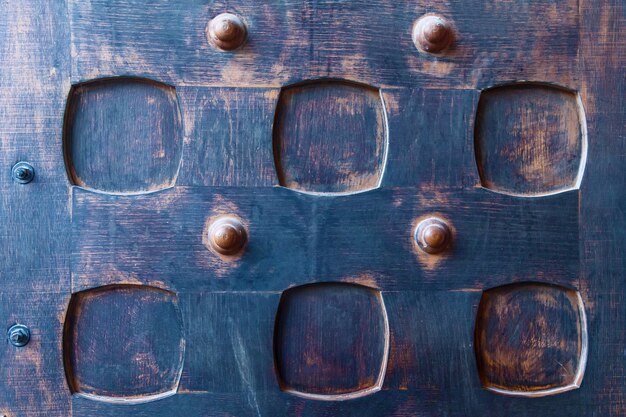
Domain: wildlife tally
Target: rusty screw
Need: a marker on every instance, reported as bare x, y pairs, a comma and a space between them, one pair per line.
227, 32
19, 335
432, 34
23, 172
433, 235
227, 235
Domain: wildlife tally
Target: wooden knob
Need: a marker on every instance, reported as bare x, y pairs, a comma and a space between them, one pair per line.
433, 34
227, 235
227, 31
433, 235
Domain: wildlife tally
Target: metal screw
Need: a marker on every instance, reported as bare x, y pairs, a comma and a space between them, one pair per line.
23, 172
19, 335
433, 235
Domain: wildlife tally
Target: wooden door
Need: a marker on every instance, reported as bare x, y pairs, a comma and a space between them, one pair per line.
313, 208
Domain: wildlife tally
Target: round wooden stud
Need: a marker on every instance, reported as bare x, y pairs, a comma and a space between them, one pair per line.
433, 235
227, 32
227, 235
433, 34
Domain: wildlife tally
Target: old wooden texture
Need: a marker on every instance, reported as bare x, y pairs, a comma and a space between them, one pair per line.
330, 137
295, 40
530, 139
331, 341
603, 192
231, 358
228, 136
531, 339
123, 135
228, 308
34, 271
295, 239
124, 343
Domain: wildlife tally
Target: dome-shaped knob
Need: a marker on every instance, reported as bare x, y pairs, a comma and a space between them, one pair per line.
227, 235
433, 235
227, 31
433, 34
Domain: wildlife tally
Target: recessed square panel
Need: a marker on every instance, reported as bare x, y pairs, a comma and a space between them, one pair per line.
530, 139
124, 343
331, 341
123, 135
330, 137
531, 339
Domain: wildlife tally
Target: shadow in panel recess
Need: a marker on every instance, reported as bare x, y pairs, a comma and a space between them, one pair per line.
123, 343
123, 135
530, 139
531, 339
331, 341
330, 137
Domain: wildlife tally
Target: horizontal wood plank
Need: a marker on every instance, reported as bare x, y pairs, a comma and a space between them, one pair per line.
295, 238
364, 41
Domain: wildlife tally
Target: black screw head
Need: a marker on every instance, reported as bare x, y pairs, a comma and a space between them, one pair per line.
19, 335
23, 172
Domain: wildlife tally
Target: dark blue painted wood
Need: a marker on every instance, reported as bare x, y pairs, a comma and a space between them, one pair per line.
530, 139
603, 191
295, 40
431, 141
295, 239
331, 340
573, 239
34, 238
123, 135
426, 365
330, 137
228, 136
124, 343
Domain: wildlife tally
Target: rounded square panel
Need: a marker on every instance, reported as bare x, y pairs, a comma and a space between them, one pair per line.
530, 139
123, 135
331, 341
330, 137
124, 343
531, 339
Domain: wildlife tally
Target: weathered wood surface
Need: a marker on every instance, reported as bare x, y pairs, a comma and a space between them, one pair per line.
603, 198
57, 241
531, 339
330, 137
123, 135
295, 239
34, 238
228, 137
124, 343
295, 40
531, 140
331, 341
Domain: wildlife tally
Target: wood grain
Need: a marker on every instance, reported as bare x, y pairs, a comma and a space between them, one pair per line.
123, 344
228, 136
123, 135
530, 139
34, 272
331, 341
330, 137
573, 239
293, 41
602, 225
531, 339
295, 239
